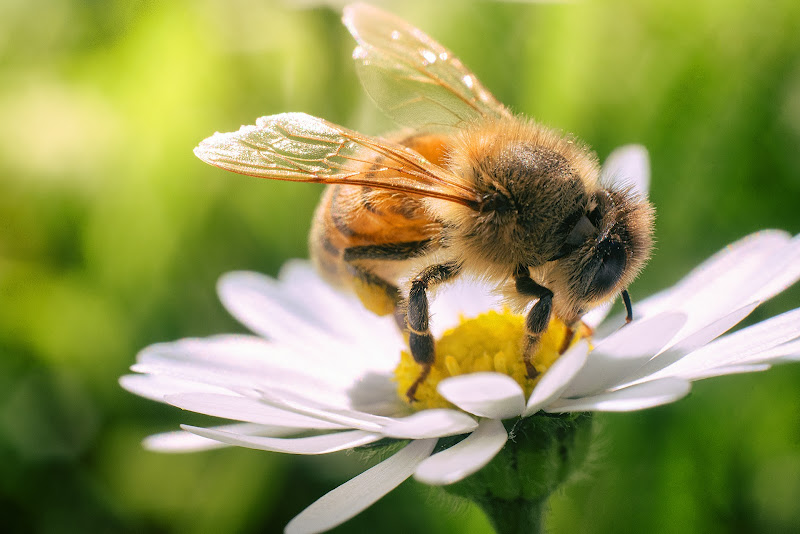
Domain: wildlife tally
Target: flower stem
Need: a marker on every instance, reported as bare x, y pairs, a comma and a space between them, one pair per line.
515, 516
543, 452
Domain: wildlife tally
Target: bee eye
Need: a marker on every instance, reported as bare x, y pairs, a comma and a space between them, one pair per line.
613, 260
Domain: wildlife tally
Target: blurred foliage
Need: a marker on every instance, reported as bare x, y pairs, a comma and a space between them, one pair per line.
112, 236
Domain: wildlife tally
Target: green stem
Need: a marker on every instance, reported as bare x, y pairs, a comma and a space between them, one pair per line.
515, 516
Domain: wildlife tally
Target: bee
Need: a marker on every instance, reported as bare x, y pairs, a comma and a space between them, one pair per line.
468, 187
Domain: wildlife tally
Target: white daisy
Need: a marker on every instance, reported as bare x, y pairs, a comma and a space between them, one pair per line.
321, 366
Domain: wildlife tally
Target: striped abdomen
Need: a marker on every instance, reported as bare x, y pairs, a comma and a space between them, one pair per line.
362, 234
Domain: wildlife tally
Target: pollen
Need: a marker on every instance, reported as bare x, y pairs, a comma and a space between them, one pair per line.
493, 342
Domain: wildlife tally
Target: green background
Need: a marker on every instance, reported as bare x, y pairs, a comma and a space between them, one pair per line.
112, 236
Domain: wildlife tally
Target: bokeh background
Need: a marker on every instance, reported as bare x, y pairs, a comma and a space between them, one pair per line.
112, 236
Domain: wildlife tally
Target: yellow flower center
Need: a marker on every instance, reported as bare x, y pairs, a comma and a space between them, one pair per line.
492, 341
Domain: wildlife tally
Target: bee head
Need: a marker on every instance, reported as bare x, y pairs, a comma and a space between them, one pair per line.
606, 247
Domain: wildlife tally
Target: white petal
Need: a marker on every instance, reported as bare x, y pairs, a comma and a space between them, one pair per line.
338, 312
623, 352
246, 409
157, 387
728, 370
785, 271
259, 303
466, 457
322, 444
295, 317
463, 297
430, 424
756, 246
237, 362
360, 493
690, 344
491, 395
290, 401
627, 166
597, 315
557, 378
742, 347
424, 424
182, 441
753, 268
638, 397
375, 348
787, 352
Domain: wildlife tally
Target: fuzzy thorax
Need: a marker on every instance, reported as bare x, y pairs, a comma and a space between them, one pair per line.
529, 179
541, 206
491, 342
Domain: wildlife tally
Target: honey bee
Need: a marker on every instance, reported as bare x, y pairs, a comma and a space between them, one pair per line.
468, 188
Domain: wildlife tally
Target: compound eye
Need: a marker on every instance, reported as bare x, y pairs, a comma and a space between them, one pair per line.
612, 266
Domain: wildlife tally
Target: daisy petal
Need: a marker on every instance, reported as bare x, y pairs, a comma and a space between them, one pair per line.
627, 166
638, 397
466, 457
623, 352
435, 423
245, 409
596, 315
238, 361
182, 441
333, 310
692, 343
340, 313
359, 493
490, 395
728, 370
425, 424
323, 444
558, 377
787, 351
158, 387
296, 318
463, 297
290, 401
258, 302
785, 271
742, 347
740, 273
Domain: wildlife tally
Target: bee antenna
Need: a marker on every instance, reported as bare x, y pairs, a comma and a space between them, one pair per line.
628, 307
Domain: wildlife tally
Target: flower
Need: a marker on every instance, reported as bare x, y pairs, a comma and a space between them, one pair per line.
320, 364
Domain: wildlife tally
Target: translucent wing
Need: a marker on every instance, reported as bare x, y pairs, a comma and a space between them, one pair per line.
413, 79
301, 148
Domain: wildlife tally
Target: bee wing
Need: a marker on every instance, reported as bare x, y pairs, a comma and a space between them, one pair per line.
413, 79
301, 148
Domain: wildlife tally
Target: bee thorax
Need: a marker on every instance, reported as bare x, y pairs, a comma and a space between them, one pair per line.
532, 181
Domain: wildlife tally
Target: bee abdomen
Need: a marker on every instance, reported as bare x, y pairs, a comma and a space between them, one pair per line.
358, 224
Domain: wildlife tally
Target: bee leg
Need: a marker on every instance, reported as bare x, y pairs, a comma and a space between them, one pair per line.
420, 340
572, 330
412, 391
538, 317
378, 295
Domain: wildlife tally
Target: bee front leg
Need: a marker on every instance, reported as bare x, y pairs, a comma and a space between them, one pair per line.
420, 340
538, 317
